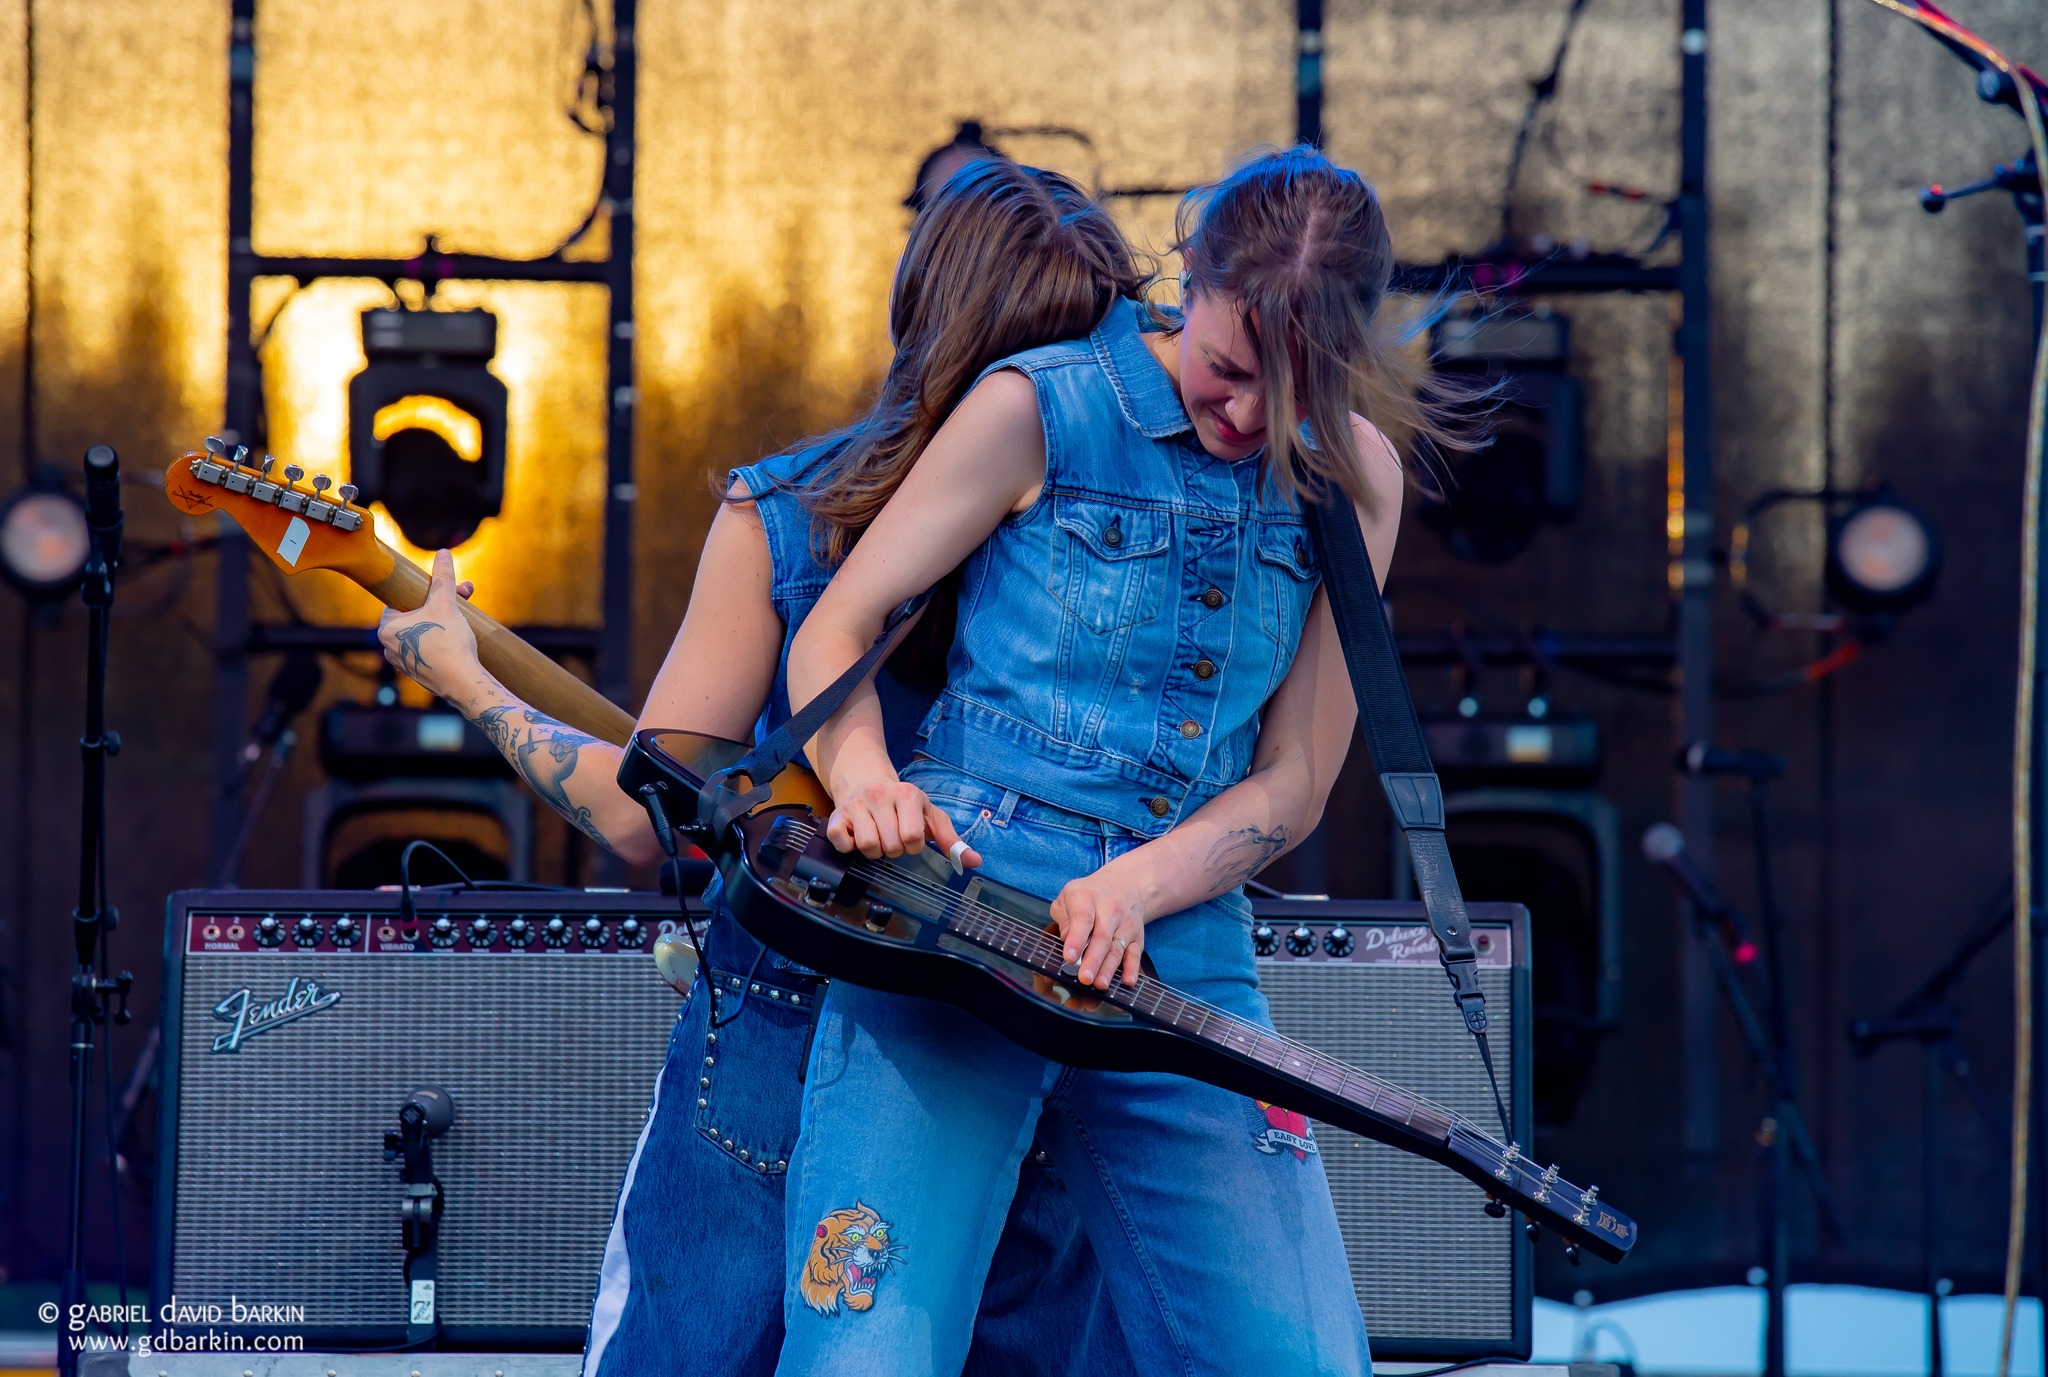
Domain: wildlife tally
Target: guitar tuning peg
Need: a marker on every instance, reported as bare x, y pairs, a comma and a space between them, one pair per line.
293, 473
1571, 1253
321, 482
1497, 1209
346, 492
216, 445
1534, 1231
268, 461
241, 453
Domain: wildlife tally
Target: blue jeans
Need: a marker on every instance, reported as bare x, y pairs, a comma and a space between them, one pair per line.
1209, 1213
692, 1277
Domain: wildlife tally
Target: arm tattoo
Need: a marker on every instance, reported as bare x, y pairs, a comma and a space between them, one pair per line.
1244, 853
409, 658
544, 752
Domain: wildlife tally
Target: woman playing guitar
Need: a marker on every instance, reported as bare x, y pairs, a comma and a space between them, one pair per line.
1146, 692
1004, 258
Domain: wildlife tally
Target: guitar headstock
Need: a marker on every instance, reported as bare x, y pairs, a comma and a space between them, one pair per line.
298, 527
1545, 1198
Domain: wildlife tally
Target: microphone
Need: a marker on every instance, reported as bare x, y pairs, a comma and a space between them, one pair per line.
291, 689
103, 501
1703, 758
1664, 846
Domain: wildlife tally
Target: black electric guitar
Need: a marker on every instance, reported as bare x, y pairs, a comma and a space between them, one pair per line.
910, 925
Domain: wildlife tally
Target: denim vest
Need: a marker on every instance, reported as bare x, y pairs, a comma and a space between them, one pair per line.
798, 575
1118, 640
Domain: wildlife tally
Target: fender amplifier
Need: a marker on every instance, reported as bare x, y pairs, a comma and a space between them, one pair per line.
296, 1024
1436, 1277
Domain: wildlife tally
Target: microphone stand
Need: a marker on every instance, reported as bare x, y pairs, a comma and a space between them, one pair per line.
94, 918
1927, 1016
1782, 1134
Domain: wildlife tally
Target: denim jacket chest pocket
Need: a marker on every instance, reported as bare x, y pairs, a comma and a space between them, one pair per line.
1108, 566
1287, 575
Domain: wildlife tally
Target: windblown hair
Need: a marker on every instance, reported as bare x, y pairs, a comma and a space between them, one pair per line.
1003, 259
1301, 246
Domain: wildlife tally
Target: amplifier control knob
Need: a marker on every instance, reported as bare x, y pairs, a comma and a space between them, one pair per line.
1265, 941
481, 933
631, 933
1302, 941
441, 932
1340, 942
346, 931
306, 932
593, 933
556, 933
518, 932
269, 932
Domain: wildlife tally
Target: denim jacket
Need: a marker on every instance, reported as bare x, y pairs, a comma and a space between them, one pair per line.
797, 579
1118, 639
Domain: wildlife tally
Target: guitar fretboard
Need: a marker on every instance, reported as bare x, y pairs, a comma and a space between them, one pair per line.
1157, 1002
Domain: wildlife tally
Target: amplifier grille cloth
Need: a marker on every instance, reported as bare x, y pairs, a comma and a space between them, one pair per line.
1425, 1258
296, 1119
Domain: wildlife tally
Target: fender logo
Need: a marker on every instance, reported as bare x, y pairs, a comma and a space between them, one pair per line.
302, 996
194, 496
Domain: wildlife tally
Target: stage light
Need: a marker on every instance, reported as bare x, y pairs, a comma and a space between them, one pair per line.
43, 539
427, 422
1882, 556
1531, 472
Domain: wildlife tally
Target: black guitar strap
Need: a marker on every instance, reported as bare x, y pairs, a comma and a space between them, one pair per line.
1387, 713
721, 800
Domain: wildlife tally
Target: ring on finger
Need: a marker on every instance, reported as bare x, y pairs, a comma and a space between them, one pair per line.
1121, 941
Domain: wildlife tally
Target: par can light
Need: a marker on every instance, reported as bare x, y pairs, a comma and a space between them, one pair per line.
1883, 556
44, 542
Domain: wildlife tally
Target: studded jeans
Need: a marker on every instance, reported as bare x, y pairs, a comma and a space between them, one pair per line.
692, 1278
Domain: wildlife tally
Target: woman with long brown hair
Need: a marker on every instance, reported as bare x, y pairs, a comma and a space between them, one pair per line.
1004, 258
1146, 703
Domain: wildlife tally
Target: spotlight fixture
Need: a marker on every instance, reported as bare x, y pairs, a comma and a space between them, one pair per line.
426, 429
1532, 470
1883, 556
44, 542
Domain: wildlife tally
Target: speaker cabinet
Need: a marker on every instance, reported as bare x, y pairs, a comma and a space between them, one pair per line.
290, 1048
1436, 1277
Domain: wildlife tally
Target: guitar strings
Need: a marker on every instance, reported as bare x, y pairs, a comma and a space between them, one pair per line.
1044, 946
921, 887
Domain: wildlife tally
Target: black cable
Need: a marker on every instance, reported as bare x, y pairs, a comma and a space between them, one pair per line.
1540, 92
406, 911
1452, 1367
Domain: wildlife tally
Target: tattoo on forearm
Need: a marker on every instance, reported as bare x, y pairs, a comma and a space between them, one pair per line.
544, 752
1244, 853
409, 658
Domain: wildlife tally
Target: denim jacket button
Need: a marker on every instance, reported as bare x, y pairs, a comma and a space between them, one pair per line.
1213, 599
1159, 806
1113, 537
1191, 729
1204, 669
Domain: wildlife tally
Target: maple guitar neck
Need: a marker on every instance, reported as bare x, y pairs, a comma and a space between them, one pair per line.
302, 528
529, 675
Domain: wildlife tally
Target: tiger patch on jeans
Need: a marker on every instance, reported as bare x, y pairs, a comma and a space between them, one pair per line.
850, 1252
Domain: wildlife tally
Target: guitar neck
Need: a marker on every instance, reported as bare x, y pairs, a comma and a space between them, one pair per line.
1159, 1003
529, 675
299, 528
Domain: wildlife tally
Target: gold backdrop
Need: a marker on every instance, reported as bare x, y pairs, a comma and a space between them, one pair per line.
776, 145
